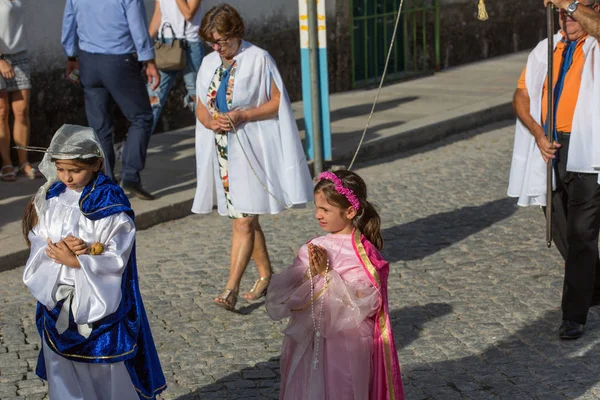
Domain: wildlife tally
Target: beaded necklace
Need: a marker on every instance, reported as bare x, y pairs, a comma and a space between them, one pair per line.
317, 323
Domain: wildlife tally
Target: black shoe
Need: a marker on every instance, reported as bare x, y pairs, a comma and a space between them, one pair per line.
595, 301
570, 330
137, 190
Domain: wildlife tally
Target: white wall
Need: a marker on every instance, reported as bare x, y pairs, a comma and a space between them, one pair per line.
44, 22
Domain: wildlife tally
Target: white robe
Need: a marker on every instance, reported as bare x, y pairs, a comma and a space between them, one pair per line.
96, 293
273, 146
527, 179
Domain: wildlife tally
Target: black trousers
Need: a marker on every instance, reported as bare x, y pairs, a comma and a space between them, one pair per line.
103, 77
575, 228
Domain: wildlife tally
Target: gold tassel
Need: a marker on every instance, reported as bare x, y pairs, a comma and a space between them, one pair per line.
482, 14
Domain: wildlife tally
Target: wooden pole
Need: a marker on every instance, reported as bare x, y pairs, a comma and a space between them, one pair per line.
550, 119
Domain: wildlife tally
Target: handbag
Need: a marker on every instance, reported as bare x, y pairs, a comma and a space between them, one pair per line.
170, 56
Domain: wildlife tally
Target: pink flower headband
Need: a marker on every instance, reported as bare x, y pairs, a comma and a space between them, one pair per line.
341, 189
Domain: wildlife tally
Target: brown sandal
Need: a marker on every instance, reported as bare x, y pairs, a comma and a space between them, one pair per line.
227, 299
253, 295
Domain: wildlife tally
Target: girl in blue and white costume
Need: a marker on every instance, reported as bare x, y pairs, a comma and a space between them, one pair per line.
96, 341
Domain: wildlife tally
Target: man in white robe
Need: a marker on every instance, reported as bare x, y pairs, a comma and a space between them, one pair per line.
576, 155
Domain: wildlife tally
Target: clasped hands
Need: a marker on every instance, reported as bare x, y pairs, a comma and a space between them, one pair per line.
317, 260
66, 251
221, 124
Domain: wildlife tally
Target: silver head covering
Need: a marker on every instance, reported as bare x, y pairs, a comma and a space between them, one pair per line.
68, 143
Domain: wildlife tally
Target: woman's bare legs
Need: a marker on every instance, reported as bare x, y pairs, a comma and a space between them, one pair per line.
260, 255
21, 128
247, 241
4, 130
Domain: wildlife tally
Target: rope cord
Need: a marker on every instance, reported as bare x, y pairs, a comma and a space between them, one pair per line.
387, 62
281, 203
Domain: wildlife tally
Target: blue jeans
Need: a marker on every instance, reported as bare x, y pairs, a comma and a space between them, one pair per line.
195, 52
103, 77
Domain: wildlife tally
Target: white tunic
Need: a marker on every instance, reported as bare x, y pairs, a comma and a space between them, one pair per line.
527, 179
95, 288
12, 35
171, 14
269, 148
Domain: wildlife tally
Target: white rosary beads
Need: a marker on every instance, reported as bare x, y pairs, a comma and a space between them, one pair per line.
317, 324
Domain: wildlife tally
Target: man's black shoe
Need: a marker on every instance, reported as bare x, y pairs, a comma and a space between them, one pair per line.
137, 190
570, 330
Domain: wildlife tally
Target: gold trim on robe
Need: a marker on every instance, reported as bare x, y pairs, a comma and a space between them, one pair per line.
51, 343
381, 319
153, 394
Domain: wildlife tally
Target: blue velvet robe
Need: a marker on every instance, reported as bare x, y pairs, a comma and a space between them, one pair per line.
123, 336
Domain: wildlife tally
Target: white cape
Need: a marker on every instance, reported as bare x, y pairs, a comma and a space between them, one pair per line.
273, 146
527, 179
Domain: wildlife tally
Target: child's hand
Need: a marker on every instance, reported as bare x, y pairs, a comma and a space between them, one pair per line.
317, 257
76, 245
61, 254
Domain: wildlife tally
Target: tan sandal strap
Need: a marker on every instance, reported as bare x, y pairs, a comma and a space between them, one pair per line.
226, 293
259, 280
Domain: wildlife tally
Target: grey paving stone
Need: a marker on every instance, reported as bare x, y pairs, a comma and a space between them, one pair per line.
474, 293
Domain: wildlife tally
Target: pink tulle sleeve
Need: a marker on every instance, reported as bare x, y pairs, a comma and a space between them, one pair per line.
346, 302
284, 285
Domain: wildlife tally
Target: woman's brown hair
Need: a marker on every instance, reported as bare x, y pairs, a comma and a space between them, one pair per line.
223, 19
367, 219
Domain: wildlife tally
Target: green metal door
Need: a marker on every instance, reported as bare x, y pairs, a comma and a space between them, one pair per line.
417, 42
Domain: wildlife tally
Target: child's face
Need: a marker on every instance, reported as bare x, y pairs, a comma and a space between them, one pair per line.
75, 174
331, 218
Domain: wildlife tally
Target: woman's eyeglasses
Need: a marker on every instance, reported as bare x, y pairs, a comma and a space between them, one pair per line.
220, 43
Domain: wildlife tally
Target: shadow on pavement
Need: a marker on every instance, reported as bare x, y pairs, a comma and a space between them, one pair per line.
262, 381
361, 109
246, 310
532, 363
393, 155
425, 236
408, 322
347, 141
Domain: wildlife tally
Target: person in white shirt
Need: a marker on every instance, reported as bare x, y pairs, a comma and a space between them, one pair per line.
177, 19
15, 90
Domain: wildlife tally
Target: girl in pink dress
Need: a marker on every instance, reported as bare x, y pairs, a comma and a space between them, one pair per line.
339, 343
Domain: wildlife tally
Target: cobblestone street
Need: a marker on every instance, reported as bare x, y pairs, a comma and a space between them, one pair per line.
474, 292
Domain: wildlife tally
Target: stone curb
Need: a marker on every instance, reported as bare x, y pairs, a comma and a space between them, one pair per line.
385, 146
431, 133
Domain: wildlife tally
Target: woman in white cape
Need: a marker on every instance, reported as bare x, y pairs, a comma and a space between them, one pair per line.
249, 157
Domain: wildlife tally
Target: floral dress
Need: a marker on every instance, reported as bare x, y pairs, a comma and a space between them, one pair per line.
221, 139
